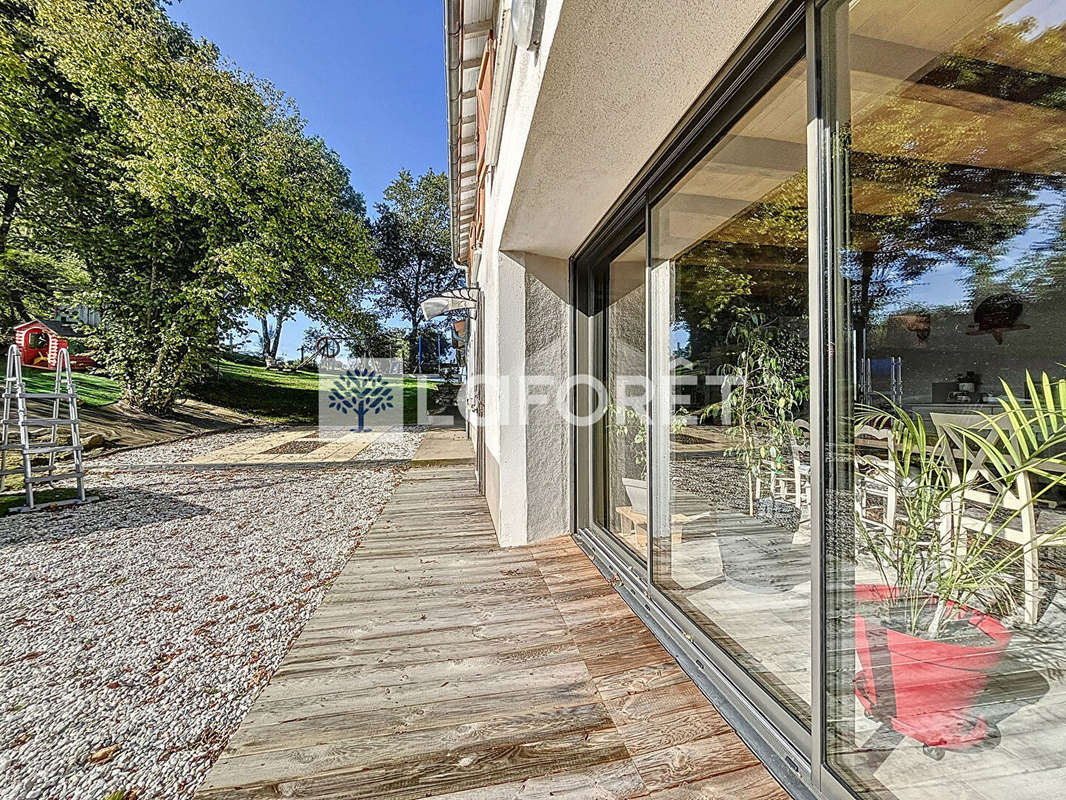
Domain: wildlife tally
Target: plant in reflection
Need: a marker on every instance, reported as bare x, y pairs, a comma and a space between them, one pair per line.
628, 426
971, 502
769, 385
969, 494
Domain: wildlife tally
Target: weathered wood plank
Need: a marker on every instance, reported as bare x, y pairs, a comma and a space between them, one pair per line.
615, 780
694, 761
440, 666
302, 724
749, 783
278, 760
434, 775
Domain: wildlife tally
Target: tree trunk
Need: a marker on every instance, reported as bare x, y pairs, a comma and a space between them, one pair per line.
277, 336
416, 361
861, 320
265, 323
11, 197
18, 310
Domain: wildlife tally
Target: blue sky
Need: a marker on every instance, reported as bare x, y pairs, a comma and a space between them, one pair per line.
367, 75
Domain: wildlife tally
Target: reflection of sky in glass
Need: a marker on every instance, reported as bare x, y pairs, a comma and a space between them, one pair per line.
1046, 12
678, 338
947, 283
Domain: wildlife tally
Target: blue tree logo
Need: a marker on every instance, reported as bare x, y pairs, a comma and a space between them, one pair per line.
360, 391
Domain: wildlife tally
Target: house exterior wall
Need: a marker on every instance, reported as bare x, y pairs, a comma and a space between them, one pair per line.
506, 285
585, 111
797, 175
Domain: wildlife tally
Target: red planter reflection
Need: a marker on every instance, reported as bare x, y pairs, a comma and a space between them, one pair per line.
925, 689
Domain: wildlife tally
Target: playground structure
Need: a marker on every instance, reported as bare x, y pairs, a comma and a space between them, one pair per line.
41, 340
326, 348
17, 415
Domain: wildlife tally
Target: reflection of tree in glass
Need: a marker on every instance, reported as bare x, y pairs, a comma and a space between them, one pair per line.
756, 261
923, 191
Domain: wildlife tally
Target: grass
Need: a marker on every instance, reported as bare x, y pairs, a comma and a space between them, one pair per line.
271, 394
279, 395
9, 501
93, 390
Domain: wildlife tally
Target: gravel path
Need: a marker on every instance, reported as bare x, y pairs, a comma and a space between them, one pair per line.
180, 451
138, 630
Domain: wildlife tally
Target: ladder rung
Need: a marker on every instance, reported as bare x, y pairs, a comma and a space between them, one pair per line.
48, 395
12, 472
59, 476
43, 422
52, 448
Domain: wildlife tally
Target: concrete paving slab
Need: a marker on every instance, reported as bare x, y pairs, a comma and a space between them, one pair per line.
444, 446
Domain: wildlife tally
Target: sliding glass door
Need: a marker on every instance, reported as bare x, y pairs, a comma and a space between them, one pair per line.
730, 326
621, 432
828, 328
945, 620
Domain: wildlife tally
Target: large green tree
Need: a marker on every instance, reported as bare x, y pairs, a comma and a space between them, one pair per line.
206, 198
54, 162
413, 245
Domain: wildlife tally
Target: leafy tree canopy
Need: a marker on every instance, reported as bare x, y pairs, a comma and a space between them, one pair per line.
188, 189
413, 245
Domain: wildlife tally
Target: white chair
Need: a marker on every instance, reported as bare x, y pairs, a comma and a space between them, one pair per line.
985, 489
789, 478
875, 477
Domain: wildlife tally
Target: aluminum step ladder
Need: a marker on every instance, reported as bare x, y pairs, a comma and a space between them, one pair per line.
17, 415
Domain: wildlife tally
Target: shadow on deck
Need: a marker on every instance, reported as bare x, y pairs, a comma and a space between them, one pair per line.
440, 665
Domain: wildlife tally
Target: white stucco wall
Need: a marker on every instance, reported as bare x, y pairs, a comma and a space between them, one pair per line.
584, 114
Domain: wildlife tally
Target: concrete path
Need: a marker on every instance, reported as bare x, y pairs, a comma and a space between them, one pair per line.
444, 447
293, 446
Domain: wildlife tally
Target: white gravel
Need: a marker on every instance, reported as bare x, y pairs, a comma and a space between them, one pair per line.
393, 445
180, 451
138, 630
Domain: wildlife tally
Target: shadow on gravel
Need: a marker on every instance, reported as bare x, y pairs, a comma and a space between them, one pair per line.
123, 507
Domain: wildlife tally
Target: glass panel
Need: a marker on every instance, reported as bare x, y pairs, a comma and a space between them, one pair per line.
623, 475
729, 282
946, 619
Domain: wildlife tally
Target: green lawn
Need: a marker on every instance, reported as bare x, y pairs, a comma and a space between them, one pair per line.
93, 390
282, 396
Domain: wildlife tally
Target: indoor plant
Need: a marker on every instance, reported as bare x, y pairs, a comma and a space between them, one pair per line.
770, 384
930, 632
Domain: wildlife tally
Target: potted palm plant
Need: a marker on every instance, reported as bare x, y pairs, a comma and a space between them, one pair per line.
928, 634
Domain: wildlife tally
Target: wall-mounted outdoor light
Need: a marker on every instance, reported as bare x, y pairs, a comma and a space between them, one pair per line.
464, 299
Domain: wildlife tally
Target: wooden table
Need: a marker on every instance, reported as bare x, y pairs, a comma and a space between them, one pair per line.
635, 525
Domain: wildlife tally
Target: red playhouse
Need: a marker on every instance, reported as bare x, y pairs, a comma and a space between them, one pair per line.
41, 340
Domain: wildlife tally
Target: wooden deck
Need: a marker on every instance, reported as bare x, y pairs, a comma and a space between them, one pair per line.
440, 665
